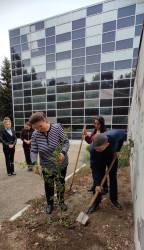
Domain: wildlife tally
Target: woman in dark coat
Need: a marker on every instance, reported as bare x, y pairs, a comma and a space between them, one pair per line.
25, 136
9, 140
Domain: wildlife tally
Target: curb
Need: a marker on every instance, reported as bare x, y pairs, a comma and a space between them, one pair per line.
25, 208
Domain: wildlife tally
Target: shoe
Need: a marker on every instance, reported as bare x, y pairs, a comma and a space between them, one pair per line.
29, 169
104, 191
116, 204
91, 189
13, 173
63, 206
9, 174
49, 209
93, 207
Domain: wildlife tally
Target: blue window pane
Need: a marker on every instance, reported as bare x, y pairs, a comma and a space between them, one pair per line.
26, 63
107, 66
50, 31
63, 37
126, 11
17, 72
109, 26
139, 19
78, 52
15, 41
78, 24
50, 49
50, 58
108, 47
125, 22
16, 57
108, 37
63, 55
37, 26
78, 79
41, 42
123, 64
16, 49
38, 52
25, 46
78, 61
92, 86
16, 65
94, 9
124, 44
138, 30
24, 39
134, 63
92, 68
78, 43
50, 40
78, 70
78, 34
93, 59
38, 76
135, 52
93, 50
15, 32
26, 78
50, 66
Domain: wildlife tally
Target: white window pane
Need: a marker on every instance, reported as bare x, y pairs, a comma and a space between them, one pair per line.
38, 60
63, 64
108, 119
109, 16
63, 28
63, 46
92, 103
106, 93
109, 6
38, 35
51, 74
94, 40
78, 14
24, 30
40, 68
95, 30
107, 57
26, 70
63, 18
50, 22
124, 54
93, 20
125, 33
121, 74
92, 77
122, 3
139, 1
63, 72
25, 55
136, 42
140, 8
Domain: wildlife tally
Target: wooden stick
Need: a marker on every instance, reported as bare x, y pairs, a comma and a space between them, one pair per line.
77, 159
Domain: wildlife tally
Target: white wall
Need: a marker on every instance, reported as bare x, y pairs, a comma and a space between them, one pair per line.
136, 133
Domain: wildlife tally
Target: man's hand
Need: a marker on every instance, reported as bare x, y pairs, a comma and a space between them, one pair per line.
10, 146
84, 132
116, 154
98, 188
35, 170
61, 157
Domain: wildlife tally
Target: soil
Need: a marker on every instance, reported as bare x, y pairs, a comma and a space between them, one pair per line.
108, 227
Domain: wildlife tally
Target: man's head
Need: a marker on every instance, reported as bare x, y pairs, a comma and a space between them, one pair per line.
100, 142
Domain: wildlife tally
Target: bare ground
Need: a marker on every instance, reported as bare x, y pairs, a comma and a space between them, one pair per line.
108, 228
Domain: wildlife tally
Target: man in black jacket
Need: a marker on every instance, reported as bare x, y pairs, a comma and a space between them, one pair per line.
108, 144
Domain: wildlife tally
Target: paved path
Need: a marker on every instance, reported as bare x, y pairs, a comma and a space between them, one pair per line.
15, 191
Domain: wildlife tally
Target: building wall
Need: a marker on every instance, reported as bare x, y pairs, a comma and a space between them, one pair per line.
78, 65
136, 133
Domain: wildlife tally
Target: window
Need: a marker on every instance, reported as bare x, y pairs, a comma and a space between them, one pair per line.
121, 92
106, 84
94, 9
126, 11
63, 55
17, 86
93, 59
79, 78
38, 52
125, 22
78, 95
64, 97
109, 26
77, 112
78, 52
16, 57
25, 46
37, 26
15, 32
14, 41
135, 52
78, 104
50, 49
77, 87
78, 61
64, 120
108, 37
50, 31
107, 75
108, 47
105, 102
92, 111
63, 89
124, 44
139, 19
120, 111
107, 66
50, 58
78, 34
78, 70
121, 102
120, 119
26, 63
78, 43
91, 94
50, 40
78, 24
16, 49
51, 113
39, 91
92, 86
138, 30
93, 50
63, 105
63, 37
50, 66
92, 68
63, 80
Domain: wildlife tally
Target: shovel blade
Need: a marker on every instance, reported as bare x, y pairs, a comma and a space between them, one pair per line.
82, 218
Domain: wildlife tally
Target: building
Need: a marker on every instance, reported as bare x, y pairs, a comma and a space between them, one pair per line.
77, 65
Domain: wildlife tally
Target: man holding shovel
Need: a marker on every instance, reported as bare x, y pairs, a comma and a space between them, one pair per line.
108, 144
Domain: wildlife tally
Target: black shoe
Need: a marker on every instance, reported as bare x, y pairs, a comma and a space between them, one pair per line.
9, 174
49, 209
91, 189
116, 204
93, 207
63, 206
104, 191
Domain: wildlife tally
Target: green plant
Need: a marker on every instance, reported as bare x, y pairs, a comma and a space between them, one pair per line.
125, 154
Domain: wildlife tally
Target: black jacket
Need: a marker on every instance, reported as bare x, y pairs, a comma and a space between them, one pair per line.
26, 135
8, 139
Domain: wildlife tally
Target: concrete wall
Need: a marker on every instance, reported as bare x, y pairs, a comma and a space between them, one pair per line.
136, 133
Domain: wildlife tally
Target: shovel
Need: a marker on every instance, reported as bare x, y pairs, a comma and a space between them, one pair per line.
83, 217
77, 160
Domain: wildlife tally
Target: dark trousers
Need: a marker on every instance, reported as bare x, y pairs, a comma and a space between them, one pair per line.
59, 179
27, 155
9, 158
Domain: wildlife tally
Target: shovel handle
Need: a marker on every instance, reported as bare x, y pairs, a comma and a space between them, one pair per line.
77, 158
102, 182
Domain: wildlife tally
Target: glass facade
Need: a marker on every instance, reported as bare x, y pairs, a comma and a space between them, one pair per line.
77, 65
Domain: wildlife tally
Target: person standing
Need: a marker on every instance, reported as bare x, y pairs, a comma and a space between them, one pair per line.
99, 124
25, 136
108, 145
9, 140
46, 139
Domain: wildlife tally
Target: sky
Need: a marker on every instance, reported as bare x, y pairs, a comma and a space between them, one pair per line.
15, 13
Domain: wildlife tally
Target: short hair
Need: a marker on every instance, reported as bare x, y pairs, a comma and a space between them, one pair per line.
6, 119
28, 124
36, 117
100, 140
